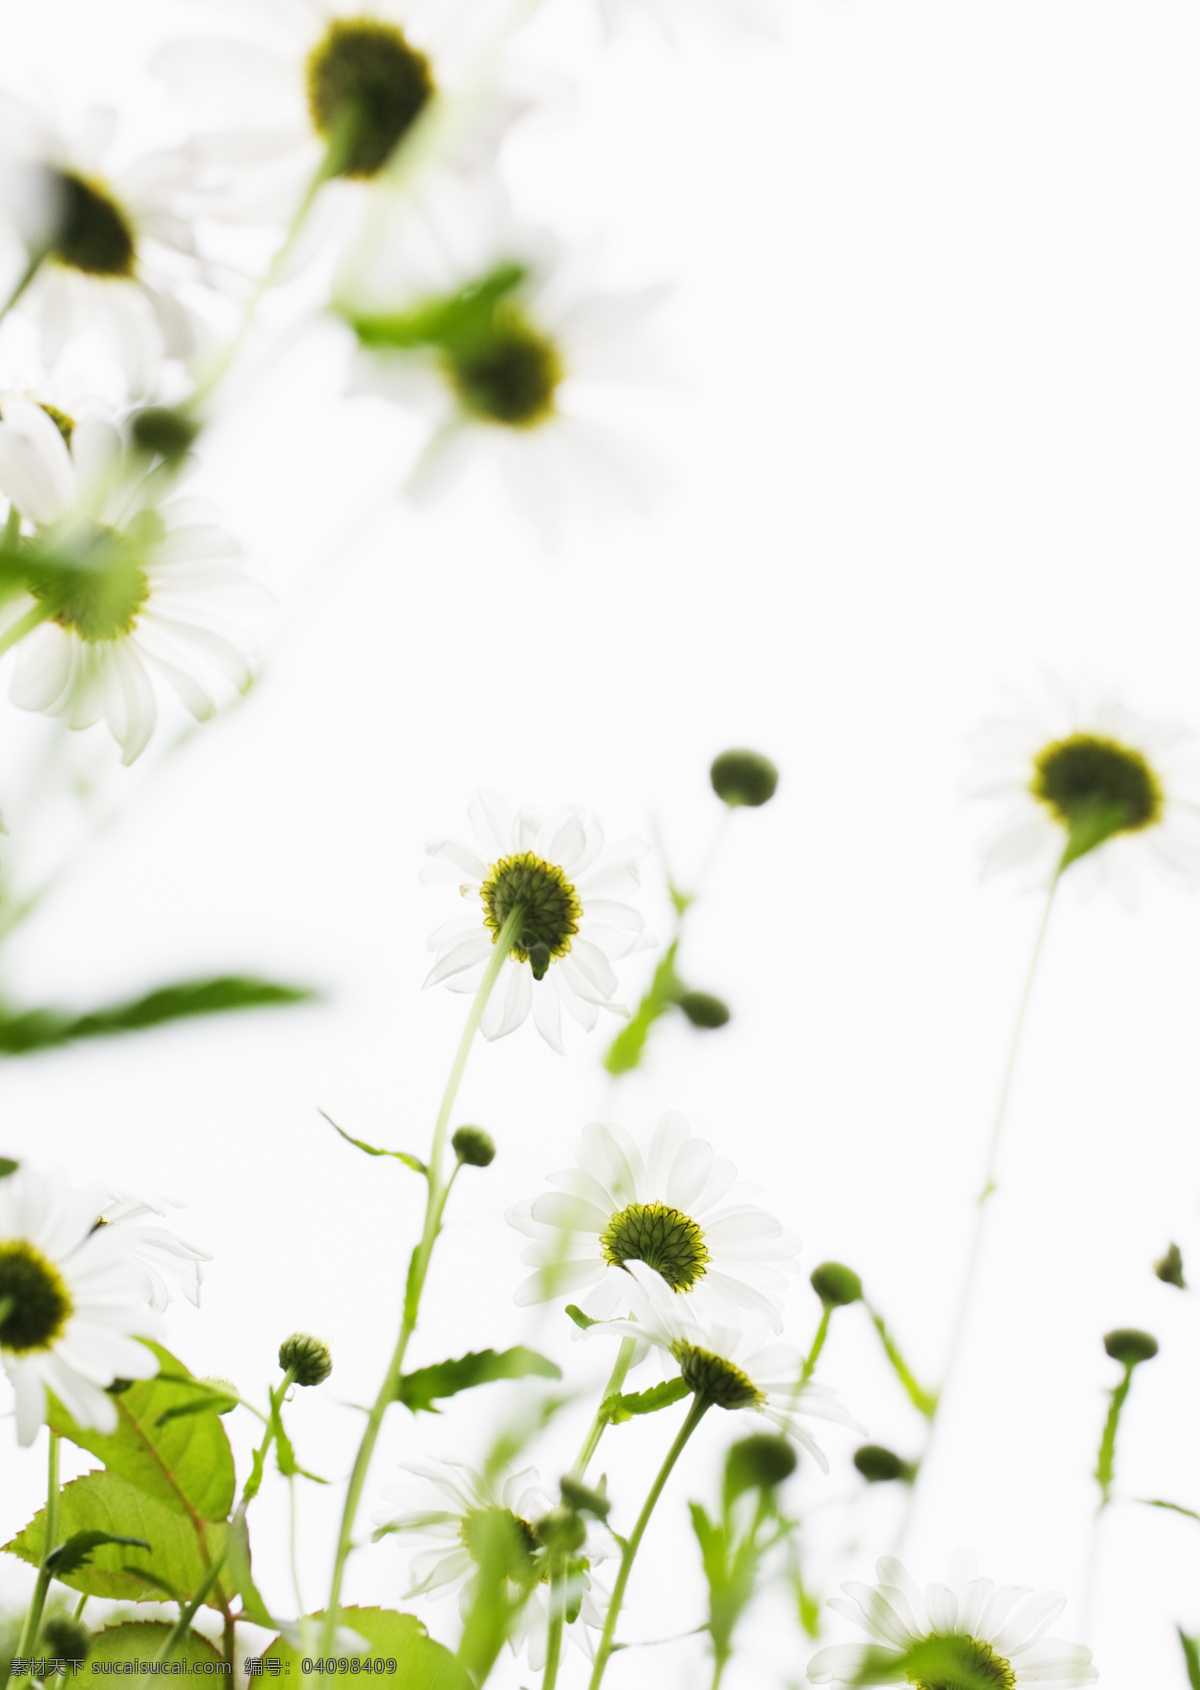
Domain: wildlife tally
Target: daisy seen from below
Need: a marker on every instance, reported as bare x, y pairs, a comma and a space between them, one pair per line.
449, 1507
110, 253
501, 342
555, 869
678, 1209
967, 1631
726, 1366
73, 1303
1092, 783
122, 585
163, 1256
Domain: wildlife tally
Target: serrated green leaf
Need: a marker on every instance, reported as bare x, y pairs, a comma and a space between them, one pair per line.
77, 1550
141, 1640
481, 1367
421, 1664
105, 1502
23, 1031
617, 1409
413, 1162
185, 1462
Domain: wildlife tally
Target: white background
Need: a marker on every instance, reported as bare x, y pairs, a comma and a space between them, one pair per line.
933, 427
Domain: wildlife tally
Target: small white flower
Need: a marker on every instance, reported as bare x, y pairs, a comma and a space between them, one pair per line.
163, 1255
117, 251
149, 576
1094, 781
74, 1302
678, 1210
731, 1366
555, 868
967, 1626
449, 1509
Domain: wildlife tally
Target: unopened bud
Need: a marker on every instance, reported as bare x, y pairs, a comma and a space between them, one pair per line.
1129, 1346
474, 1147
877, 1465
307, 1356
1170, 1268
836, 1285
702, 1009
64, 1639
163, 432
760, 1461
561, 1530
744, 777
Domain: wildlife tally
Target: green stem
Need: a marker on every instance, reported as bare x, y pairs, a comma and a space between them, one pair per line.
596, 1431
554, 1630
33, 1618
80, 1606
818, 1343
1108, 1438
699, 1407
254, 1480
27, 275
435, 1202
188, 1612
25, 624
925, 1402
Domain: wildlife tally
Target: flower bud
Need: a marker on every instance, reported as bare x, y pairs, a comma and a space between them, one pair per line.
228, 1389
877, 1465
64, 1639
744, 777
702, 1009
836, 1285
1129, 1346
308, 1356
561, 1530
1170, 1268
474, 1147
760, 1461
163, 432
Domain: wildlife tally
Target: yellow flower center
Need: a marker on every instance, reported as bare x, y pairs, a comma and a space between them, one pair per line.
366, 88
93, 234
664, 1238
954, 1661
549, 904
34, 1301
508, 372
94, 575
1086, 778
711, 1376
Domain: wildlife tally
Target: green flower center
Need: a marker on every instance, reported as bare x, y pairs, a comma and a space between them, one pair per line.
549, 904
1086, 777
95, 576
952, 1661
714, 1378
489, 1532
34, 1301
664, 1238
508, 374
366, 88
93, 234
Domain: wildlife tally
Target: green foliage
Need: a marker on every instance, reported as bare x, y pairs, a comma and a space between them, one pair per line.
421, 1664
480, 1367
413, 1162
618, 1409
23, 1031
141, 1640
237, 1573
1191, 1656
76, 1552
627, 1049
582, 1321
452, 324
925, 1402
499, 1590
1175, 1507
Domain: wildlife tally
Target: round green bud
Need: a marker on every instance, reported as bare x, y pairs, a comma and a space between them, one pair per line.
64, 1639
703, 1010
227, 1387
836, 1285
474, 1147
760, 1461
308, 1356
561, 1530
1170, 1268
163, 432
877, 1465
1129, 1346
744, 777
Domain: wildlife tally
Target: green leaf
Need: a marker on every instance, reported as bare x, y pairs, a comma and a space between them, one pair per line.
22, 1031
1175, 1507
582, 1321
925, 1402
141, 1640
480, 1367
1191, 1655
617, 1409
77, 1551
627, 1049
413, 1162
108, 1504
237, 1572
421, 1664
185, 1463
453, 322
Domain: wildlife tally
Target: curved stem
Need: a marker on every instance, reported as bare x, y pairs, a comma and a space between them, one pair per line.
435, 1202
596, 1430
818, 1343
695, 1414
33, 1618
25, 625
27, 275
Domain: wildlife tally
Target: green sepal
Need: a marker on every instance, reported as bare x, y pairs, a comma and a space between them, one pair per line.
77, 1550
23, 1031
618, 1409
481, 1367
421, 1664
1090, 830
141, 1640
413, 1162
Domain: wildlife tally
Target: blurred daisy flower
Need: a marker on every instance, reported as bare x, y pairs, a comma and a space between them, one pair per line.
109, 253
555, 869
163, 1256
963, 1632
451, 1508
73, 1303
1072, 781
121, 586
678, 1210
502, 342
731, 1366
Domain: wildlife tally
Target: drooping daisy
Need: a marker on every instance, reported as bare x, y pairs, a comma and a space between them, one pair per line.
730, 1365
554, 867
137, 584
449, 1508
502, 343
163, 1255
117, 251
1092, 784
678, 1210
73, 1303
965, 1627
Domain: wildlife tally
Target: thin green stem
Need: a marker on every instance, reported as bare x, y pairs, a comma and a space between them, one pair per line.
438, 1189
80, 1606
554, 1630
25, 624
292, 1555
191, 1608
33, 1618
600, 1420
27, 275
925, 1402
699, 1407
818, 1343
1108, 1438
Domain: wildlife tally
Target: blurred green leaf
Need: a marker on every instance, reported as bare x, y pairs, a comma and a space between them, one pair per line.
28, 1030
141, 1640
450, 323
238, 1575
1175, 1507
413, 1162
481, 1367
421, 1664
77, 1550
582, 1321
618, 1409
1191, 1655
627, 1049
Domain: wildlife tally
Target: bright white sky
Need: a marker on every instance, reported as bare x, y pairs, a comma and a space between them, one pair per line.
931, 426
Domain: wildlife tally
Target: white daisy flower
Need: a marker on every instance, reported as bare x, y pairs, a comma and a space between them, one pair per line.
116, 250
678, 1210
73, 1303
965, 1627
730, 1365
140, 578
555, 868
163, 1255
501, 341
449, 1509
1090, 783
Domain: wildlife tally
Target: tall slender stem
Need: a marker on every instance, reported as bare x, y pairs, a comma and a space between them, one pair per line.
600, 1420
33, 1618
438, 1188
818, 1343
629, 1554
554, 1630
